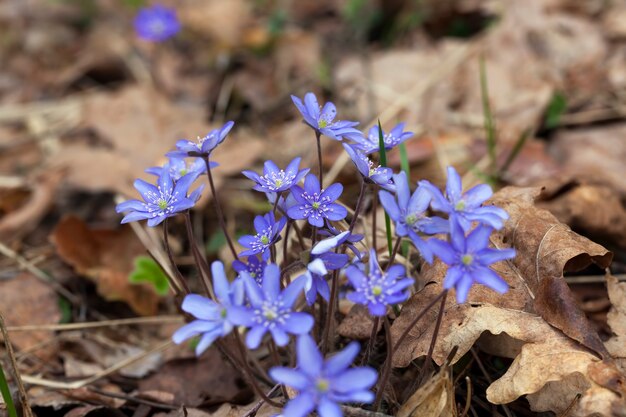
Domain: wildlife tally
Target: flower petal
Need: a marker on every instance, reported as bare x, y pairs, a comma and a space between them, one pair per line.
310, 360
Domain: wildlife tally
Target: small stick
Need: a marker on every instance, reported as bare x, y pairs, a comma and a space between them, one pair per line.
134, 399
16, 373
468, 400
96, 324
258, 405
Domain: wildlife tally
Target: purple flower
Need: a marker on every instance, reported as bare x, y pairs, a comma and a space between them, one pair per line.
371, 173
324, 384
469, 258
271, 310
378, 289
408, 211
164, 200
322, 261
212, 318
254, 267
321, 119
466, 207
276, 180
156, 23
204, 146
267, 233
370, 144
315, 204
178, 168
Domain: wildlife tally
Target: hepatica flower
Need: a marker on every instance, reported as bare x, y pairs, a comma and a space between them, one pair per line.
315, 204
156, 23
212, 318
276, 180
469, 259
271, 310
165, 199
378, 289
408, 211
371, 173
371, 143
203, 146
254, 267
267, 233
466, 207
324, 384
179, 167
322, 119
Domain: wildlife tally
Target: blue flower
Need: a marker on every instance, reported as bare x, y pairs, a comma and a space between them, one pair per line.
378, 289
178, 168
466, 207
267, 233
156, 23
322, 261
276, 180
324, 384
371, 173
204, 146
408, 211
212, 317
271, 310
315, 204
370, 144
321, 119
166, 199
469, 258
254, 267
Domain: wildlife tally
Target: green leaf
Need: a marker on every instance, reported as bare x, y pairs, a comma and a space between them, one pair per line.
556, 108
6, 394
215, 243
406, 167
147, 270
383, 162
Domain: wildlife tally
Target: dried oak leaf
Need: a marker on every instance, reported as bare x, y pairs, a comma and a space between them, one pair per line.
18, 296
106, 257
433, 399
538, 310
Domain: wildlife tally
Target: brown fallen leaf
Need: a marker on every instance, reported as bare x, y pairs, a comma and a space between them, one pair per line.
592, 209
357, 324
433, 399
539, 310
106, 257
204, 381
17, 298
42, 191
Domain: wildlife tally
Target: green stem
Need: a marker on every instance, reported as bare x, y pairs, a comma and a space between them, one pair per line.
6, 394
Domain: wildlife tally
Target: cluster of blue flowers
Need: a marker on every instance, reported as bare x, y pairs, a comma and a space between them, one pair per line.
267, 304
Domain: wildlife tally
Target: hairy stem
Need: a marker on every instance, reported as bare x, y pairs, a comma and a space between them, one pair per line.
218, 209
359, 204
201, 262
319, 157
180, 281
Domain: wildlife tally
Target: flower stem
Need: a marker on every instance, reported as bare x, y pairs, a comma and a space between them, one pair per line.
359, 204
433, 341
371, 340
218, 209
374, 226
319, 158
331, 310
201, 262
285, 247
276, 360
396, 247
179, 277
249, 374
387, 366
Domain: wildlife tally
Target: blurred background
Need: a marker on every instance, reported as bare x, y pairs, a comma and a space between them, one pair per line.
519, 92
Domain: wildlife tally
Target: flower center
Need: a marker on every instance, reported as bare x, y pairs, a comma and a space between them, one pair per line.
223, 313
322, 385
183, 172
269, 313
377, 290
460, 205
467, 259
265, 240
322, 123
162, 204
410, 219
315, 205
278, 183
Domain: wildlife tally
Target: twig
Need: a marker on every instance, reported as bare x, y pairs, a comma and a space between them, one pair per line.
83, 382
134, 399
16, 373
95, 324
